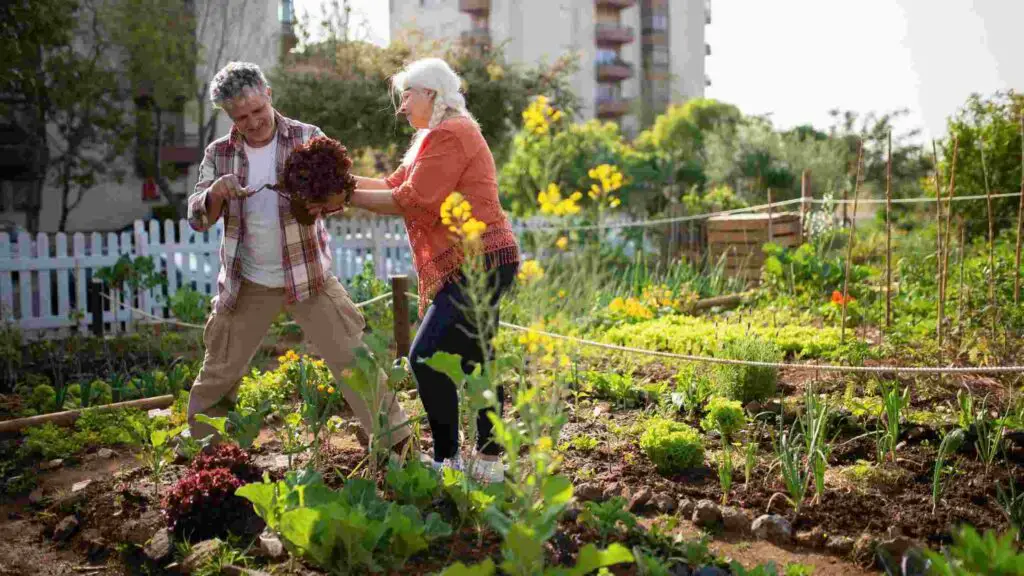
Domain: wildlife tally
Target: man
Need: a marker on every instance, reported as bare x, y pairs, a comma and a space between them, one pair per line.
268, 261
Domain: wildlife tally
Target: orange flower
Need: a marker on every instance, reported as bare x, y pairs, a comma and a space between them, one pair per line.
838, 300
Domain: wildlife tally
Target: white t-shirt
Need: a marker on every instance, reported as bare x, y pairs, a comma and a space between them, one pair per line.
262, 259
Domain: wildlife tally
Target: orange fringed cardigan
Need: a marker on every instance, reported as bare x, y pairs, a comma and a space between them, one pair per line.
453, 157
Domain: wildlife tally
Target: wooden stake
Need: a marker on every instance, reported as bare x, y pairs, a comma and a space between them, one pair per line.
938, 248
946, 234
960, 294
69, 417
1020, 217
849, 246
888, 237
400, 309
991, 244
805, 202
771, 233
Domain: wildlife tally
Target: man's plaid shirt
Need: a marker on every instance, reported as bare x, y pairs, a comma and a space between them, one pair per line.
306, 249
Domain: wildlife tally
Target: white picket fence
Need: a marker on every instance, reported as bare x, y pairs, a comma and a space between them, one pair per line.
43, 278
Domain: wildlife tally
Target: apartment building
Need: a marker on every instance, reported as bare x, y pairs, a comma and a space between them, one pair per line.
636, 56
251, 30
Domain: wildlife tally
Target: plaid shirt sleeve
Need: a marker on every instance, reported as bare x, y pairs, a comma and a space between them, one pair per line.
198, 218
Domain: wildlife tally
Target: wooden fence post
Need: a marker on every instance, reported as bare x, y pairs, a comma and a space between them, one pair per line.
771, 232
400, 309
805, 201
96, 289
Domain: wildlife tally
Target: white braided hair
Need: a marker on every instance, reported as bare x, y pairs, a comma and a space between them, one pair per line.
436, 75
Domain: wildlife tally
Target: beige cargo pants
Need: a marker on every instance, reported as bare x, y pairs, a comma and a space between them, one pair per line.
330, 322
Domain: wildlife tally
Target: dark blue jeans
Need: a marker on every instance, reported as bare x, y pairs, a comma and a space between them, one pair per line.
445, 328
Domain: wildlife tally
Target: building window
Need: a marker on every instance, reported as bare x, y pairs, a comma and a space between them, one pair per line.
607, 92
479, 22
286, 12
657, 23
606, 56
660, 55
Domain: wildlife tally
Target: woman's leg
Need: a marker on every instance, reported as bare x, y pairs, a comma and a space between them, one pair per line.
438, 333
500, 280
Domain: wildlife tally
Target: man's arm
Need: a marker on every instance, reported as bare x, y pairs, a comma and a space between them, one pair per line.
209, 199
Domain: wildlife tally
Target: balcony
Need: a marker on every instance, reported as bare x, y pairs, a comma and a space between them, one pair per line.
613, 34
182, 150
475, 6
615, 4
476, 37
615, 71
613, 107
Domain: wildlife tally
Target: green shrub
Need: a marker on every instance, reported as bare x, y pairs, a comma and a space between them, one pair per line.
42, 399
748, 383
259, 387
724, 415
108, 427
49, 442
672, 446
617, 388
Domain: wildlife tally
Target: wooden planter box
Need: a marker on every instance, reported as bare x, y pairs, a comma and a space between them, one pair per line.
740, 237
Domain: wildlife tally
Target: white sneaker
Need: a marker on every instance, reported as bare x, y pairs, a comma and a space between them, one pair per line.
488, 471
453, 463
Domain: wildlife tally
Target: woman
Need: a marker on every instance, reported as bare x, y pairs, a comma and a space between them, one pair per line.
447, 154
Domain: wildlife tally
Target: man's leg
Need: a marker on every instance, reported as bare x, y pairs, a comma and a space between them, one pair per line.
334, 327
231, 340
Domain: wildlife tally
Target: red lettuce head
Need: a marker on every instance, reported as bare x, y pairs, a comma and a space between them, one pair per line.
318, 168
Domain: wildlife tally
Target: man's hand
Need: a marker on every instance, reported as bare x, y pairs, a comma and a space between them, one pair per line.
333, 203
226, 187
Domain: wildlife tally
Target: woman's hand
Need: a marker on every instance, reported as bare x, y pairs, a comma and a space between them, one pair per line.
334, 203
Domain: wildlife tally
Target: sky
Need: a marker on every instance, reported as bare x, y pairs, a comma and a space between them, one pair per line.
797, 59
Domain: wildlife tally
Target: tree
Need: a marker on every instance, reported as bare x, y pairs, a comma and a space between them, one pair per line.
62, 85
992, 122
341, 84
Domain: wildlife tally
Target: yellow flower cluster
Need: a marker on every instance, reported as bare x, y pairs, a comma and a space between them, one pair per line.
562, 243
530, 272
551, 201
457, 215
609, 179
289, 357
651, 299
539, 115
630, 307
544, 348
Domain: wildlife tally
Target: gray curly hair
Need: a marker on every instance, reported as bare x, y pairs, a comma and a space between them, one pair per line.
234, 79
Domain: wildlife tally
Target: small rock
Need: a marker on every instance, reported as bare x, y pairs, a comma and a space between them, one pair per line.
160, 546
202, 553
53, 464
37, 497
686, 507
602, 408
79, 486
572, 513
274, 464
753, 408
271, 546
840, 545
639, 500
589, 491
735, 520
611, 491
707, 514
864, 548
710, 571
158, 412
814, 538
65, 529
894, 547
105, 453
664, 503
96, 544
773, 528
901, 446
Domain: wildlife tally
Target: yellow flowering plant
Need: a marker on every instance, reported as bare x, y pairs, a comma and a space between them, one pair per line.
540, 115
609, 180
552, 203
530, 272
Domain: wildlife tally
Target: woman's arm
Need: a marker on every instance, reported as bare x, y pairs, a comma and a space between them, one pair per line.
375, 200
371, 183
